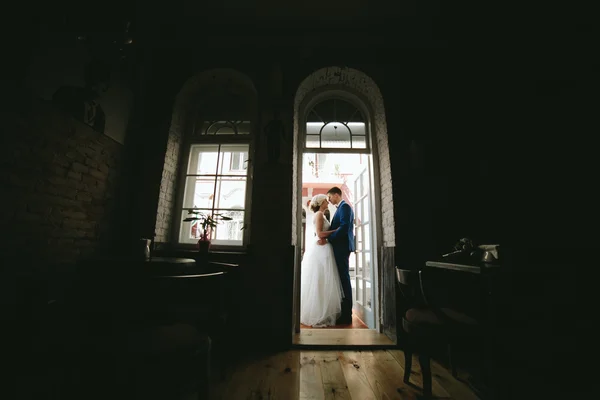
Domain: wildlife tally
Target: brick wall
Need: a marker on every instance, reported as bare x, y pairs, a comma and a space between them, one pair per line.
58, 179
166, 199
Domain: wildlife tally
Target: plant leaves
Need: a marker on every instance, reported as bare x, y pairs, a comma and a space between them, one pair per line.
207, 221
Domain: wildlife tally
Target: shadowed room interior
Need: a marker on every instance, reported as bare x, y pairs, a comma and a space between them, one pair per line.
125, 126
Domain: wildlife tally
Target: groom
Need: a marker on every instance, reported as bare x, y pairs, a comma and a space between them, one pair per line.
342, 241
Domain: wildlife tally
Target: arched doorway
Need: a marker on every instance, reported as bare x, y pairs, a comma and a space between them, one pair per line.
354, 89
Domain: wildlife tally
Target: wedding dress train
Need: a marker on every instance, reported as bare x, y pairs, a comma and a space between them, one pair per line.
320, 291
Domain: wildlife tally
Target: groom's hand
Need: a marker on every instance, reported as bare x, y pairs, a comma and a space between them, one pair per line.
322, 242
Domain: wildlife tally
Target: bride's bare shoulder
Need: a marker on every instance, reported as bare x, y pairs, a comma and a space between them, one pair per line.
319, 213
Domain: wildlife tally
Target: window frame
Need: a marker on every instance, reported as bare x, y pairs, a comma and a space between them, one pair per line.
303, 131
193, 138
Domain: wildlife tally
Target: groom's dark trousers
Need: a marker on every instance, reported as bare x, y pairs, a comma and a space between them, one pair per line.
342, 241
341, 259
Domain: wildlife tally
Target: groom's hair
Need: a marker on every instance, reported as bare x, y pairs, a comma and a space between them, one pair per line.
335, 190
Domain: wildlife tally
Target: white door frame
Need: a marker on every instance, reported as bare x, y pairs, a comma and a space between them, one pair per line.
323, 93
369, 316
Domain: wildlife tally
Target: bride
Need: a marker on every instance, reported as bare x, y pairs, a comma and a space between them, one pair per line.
321, 291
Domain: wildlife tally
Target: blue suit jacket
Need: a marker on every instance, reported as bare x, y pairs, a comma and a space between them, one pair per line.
343, 238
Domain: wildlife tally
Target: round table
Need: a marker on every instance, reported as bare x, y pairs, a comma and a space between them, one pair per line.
174, 266
172, 261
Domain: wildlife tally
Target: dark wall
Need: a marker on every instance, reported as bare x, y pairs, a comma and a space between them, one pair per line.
59, 184
60, 177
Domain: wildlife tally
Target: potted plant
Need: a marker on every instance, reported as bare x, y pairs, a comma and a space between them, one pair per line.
205, 224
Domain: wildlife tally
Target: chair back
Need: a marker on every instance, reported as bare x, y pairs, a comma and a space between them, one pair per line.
409, 287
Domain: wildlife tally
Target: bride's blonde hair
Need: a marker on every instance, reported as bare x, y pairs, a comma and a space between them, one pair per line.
316, 202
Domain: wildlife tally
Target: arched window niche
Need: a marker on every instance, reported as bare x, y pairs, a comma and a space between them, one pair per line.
207, 163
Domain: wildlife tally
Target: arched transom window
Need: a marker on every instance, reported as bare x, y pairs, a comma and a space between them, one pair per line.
208, 128
336, 124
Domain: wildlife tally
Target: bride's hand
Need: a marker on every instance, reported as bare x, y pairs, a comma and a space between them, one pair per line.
322, 242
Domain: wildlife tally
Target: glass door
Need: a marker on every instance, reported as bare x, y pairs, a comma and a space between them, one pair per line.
364, 288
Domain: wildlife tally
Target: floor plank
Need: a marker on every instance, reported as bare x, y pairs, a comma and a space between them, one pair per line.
334, 381
381, 383
358, 383
311, 382
265, 385
286, 376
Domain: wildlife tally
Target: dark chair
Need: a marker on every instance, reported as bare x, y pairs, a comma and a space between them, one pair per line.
168, 352
195, 300
169, 362
108, 337
426, 326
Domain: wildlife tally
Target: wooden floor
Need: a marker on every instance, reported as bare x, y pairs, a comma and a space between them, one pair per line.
341, 337
354, 334
356, 324
316, 375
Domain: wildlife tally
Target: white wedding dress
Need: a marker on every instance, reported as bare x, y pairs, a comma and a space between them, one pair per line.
320, 288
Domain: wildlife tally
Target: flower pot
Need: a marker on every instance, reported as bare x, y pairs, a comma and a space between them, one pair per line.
203, 246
